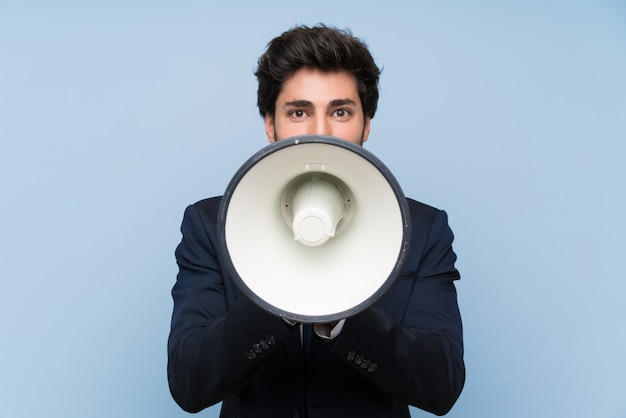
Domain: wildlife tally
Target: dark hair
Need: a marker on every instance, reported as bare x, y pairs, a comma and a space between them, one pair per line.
322, 48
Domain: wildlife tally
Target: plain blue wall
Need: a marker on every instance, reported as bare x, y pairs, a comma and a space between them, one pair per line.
116, 115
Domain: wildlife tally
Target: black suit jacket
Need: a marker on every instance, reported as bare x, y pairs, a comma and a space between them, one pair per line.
406, 349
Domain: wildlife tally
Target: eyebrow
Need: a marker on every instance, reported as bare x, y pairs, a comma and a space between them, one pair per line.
299, 103
342, 102
333, 103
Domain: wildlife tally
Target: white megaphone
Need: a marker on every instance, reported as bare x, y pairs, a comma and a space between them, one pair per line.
313, 228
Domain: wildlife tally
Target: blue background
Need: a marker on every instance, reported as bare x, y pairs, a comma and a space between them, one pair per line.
115, 115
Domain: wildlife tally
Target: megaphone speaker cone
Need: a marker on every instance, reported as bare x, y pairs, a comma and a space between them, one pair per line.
318, 207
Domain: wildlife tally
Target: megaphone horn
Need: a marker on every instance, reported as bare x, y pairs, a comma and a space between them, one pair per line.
313, 228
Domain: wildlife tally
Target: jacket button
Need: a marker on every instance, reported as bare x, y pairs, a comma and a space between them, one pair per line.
257, 348
358, 359
372, 367
365, 364
351, 355
251, 355
271, 340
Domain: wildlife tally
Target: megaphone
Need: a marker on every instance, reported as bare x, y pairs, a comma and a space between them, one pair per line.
313, 228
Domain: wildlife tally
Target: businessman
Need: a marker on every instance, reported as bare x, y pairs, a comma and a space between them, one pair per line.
405, 349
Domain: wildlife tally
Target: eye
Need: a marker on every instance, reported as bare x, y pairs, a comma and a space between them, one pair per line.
297, 114
342, 113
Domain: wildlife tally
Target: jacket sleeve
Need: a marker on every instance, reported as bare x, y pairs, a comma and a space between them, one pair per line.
214, 336
417, 355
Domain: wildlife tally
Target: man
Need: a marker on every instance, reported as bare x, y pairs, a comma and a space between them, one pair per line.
405, 349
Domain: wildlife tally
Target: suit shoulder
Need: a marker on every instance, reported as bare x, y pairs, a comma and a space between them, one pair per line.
208, 206
423, 215
204, 212
422, 209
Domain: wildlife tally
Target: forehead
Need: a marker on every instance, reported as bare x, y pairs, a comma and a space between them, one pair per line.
316, 85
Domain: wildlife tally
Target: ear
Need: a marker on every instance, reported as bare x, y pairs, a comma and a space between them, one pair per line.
366, 129
269, 128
